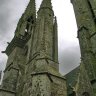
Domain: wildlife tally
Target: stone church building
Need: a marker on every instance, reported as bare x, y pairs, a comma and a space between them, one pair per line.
32, 68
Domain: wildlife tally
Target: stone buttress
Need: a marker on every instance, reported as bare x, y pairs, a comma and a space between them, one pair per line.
85, 12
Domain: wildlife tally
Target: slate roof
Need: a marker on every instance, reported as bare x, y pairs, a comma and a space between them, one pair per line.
72, 78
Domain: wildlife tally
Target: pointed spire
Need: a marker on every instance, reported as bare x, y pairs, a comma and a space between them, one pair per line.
55, 22
31, 9
55, 26
55, 49
46, 3
30, 12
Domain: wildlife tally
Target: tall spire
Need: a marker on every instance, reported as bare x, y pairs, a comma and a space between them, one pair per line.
31, 69
31, 8
46, 4
28, 16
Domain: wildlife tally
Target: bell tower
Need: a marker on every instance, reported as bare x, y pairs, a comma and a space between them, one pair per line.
42, 77
32, 68
17, 52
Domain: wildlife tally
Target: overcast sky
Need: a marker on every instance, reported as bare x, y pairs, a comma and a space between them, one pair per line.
69, 54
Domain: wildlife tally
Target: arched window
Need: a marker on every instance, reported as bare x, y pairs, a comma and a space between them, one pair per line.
27, 27
85, 94
30, 20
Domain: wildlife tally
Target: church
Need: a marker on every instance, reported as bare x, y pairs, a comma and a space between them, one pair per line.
32, 67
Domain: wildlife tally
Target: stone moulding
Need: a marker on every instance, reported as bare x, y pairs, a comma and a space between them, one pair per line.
48, 74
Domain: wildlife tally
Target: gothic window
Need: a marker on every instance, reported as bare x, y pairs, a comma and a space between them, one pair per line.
85, 94
26, 30
31, 20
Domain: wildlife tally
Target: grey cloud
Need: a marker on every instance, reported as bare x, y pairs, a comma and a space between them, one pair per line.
10, 12
9, 16
4, 20
5, 29
3, 2
69, 59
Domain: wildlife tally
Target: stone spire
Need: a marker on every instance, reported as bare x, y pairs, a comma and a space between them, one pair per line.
55, 29
27, 20
43, 54
44, 27
31, 9
31, 68
46, 4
